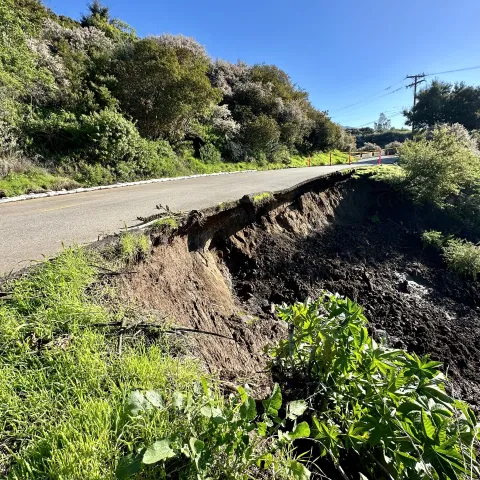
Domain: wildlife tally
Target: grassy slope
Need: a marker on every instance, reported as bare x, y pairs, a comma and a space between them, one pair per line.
40, 180
34, 181
77, 378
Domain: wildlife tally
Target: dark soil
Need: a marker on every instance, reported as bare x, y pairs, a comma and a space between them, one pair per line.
362, 240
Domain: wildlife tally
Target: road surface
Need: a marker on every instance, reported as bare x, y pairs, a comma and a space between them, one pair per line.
32, 229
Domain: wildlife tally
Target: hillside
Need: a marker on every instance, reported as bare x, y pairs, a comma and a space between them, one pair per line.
89, 102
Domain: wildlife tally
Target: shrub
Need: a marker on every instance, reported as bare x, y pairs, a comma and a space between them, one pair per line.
101, 147
438, 168
369, 147
281, 155
433, 238
393, 145
90, 175
384, 410
462, 257
209, 154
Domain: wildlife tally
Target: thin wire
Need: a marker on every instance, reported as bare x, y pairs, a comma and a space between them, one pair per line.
360, 117
388, 118
371, 96
452, 71
386, 112
377, 98
398, 89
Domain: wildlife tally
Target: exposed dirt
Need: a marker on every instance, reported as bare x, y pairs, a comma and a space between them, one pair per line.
355, 237
361, 240
192, 289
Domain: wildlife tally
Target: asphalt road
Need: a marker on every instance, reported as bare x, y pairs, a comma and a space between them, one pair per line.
32, 229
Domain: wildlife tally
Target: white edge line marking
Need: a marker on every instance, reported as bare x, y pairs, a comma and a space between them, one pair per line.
31, 196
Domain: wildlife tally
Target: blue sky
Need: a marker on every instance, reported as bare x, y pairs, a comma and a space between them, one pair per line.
340, 51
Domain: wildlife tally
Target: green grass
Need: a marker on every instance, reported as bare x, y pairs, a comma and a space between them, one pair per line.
133, 246
63, 387
66, 392
261, 197
392, 174
296, 161
320, 158
169, 222
34, 181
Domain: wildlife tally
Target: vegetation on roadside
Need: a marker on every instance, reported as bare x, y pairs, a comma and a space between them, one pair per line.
381, 138
149, 411
442, 170
374, 411
133, 246
170, 222
443, 102
110, 414
92, 102
261, 198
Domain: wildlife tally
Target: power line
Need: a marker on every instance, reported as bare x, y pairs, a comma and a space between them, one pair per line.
388, 118
358, 115
416, 81
374, 95
452, 71
398, 89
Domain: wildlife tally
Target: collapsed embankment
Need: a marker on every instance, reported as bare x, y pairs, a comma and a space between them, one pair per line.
223, 269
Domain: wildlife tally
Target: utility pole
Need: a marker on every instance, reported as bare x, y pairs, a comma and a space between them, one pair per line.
416, 81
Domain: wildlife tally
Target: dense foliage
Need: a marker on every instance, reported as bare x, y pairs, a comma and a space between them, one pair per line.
381, 138
443, 102
92, 101
73, 407
377, 411
442, 169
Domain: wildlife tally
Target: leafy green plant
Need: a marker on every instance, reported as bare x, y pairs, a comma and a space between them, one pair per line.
222, 438
462, 257
387, 407
433, 238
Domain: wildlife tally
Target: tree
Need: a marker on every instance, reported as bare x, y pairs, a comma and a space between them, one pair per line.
164, 86
97, 11
443, 102
261, 135
325, 134
383, 123
99, 17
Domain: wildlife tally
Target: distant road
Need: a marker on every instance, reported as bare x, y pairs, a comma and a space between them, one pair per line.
32, 228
